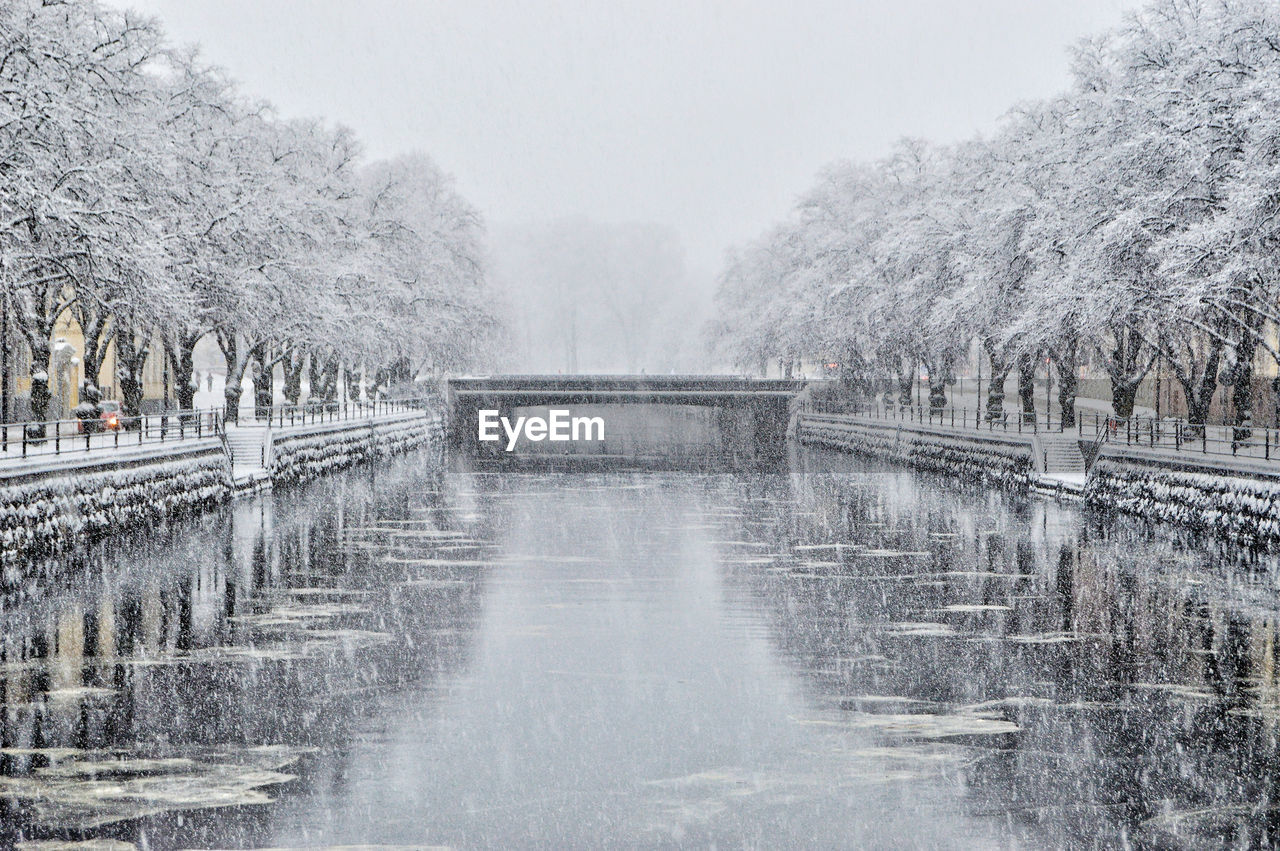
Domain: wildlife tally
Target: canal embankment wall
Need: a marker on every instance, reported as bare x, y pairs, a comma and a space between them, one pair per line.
1238, 498
305, 452
996, 458
51, 502
1235, 497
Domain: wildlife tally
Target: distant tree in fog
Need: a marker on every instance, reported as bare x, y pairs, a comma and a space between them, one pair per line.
585, 296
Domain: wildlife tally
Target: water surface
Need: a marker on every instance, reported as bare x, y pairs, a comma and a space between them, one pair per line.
836, 654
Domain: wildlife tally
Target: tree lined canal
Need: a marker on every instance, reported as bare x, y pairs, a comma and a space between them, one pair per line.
839, 653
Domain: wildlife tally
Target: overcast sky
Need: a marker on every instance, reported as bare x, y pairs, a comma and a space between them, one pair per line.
707, 116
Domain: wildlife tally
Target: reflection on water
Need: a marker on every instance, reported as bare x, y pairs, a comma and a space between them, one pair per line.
840, 655
213, 668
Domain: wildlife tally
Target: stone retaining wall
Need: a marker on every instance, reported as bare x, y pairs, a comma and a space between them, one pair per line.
65, 501
1005, 460
1240, 503
43, 513
1234, 497
306, 453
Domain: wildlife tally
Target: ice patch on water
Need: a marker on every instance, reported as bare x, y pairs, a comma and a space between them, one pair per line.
96, 788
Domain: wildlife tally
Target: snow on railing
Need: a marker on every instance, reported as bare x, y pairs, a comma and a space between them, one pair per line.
1169, 434
108, 430
312, 413
114, 429
947, 416
1182, 436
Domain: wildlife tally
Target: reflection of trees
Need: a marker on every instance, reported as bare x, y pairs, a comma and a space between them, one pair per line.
1166, 699
156, 627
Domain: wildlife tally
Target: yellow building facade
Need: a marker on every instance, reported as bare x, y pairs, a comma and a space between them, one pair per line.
66, 369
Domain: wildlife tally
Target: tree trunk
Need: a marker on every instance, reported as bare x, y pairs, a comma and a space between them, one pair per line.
293, 366
315, 378
182, 355
1027, 387
263, 384
906, 370
1275, 400
324, 377
939, 375
1000, 368
1199, 384
1123, 396
40, 393
1242, 391
1066, 360
237, 354
350, 382
98, 332
1124, 367
329, 377
37, 316
131, 358
937, 393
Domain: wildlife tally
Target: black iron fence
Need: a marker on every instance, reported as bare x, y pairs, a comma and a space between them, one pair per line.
312, 413
966, 418
1168, 434
1182, 436
114, 429
108, 430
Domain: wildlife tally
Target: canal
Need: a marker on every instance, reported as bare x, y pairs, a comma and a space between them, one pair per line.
832, 654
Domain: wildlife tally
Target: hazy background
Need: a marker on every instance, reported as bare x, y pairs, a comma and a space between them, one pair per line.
668, 128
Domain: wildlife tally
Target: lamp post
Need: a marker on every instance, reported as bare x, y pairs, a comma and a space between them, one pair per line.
978, 414
1157, 390
4, 357
1048, 390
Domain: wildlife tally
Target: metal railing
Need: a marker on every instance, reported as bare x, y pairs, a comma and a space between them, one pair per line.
1182, 436
312, 413
949, 417
55, 437
98, 433
1148, 432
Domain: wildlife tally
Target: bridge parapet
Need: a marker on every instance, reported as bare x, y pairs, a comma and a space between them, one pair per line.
622, 384
764, 401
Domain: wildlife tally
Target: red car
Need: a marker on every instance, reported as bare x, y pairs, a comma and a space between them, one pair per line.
112, 415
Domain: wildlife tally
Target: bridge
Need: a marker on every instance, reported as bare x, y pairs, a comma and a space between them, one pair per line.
758, 405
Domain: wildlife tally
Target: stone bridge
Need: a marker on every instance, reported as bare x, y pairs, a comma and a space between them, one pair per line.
754, 407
